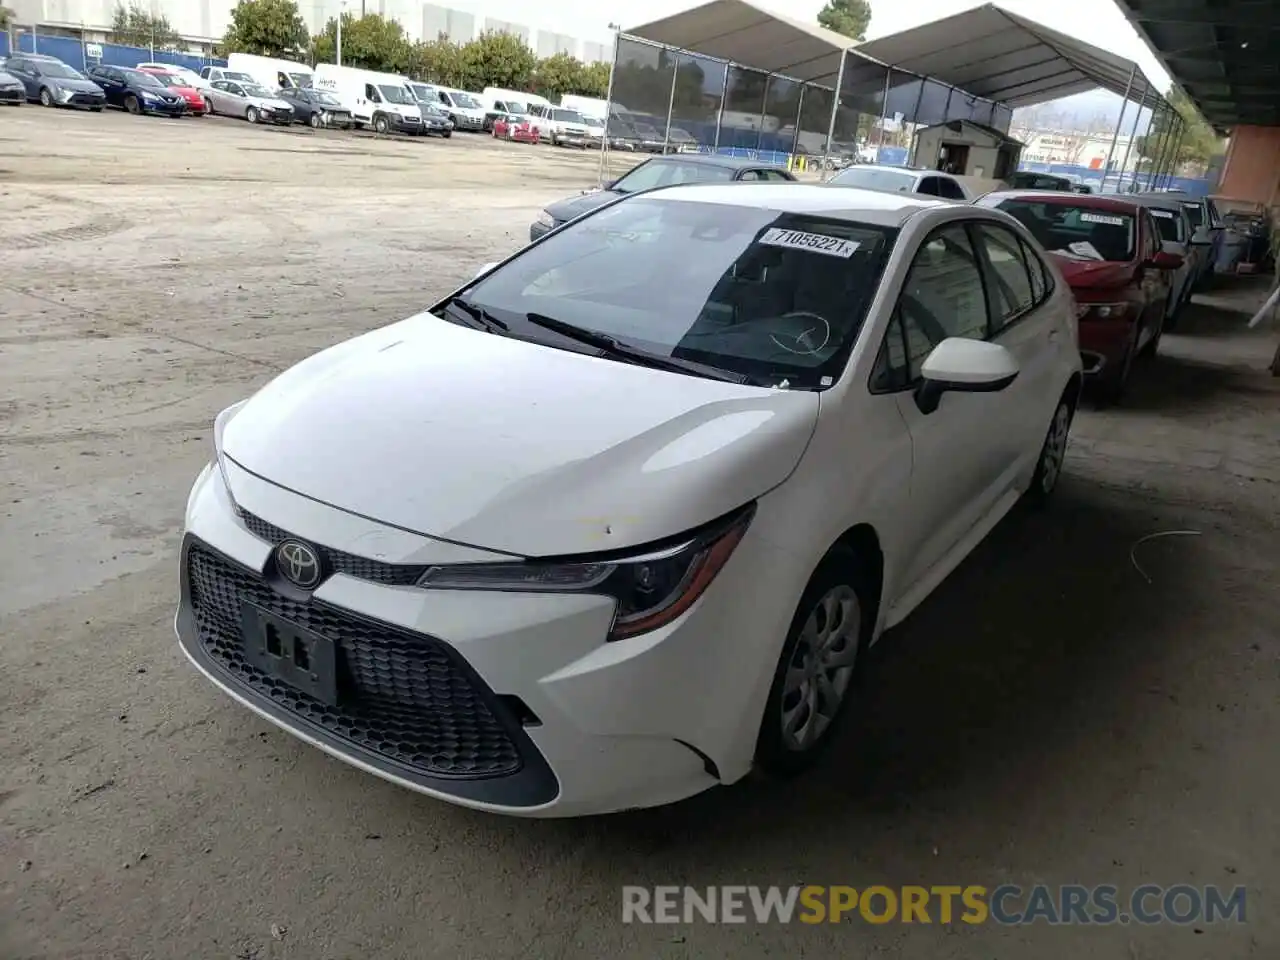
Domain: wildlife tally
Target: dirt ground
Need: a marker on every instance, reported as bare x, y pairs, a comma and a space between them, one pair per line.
1074, 705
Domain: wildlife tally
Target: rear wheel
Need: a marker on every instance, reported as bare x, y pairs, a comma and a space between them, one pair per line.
46, 98
817, 672
1053, 452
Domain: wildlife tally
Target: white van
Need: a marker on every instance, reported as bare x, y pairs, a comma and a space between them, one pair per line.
492, 95
377, 100
272, 73
465, 109
591, 108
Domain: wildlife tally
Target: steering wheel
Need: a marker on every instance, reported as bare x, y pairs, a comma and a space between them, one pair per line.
809, 340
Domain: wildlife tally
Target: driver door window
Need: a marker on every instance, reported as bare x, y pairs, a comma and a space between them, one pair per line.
928, 186
371, 94
949, 189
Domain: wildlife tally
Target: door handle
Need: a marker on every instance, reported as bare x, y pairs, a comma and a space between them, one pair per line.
1053, 336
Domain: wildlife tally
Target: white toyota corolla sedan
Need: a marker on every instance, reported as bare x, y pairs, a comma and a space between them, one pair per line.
617, 520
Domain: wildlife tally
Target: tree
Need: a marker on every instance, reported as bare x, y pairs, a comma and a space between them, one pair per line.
848, 17
496, 59
272, 28
594, 80
558, 75
135, 27
372, 41
6, 17
436, 61
1199, 143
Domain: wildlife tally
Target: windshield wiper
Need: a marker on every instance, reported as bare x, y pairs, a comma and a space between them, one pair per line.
619, 350
477, 316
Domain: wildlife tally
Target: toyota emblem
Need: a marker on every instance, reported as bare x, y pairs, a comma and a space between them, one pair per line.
299, 563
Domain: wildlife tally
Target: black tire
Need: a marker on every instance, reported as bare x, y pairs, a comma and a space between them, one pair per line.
380, 124
1152, 346
46, 98
96, 109
840, 575
1050, 464
447, 134
315, 121
132, 104
251, 114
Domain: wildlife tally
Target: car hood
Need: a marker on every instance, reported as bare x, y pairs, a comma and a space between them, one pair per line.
9, 80
512, 446
1093, 273
68, 83
572, 207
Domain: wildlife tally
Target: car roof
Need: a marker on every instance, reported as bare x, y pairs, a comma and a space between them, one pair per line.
1091, 201
841, 203
717, 160
1162, 200
909, 171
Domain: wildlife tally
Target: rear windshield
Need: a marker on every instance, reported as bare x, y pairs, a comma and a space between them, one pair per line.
668, 173
869, 178
779, 297
1077, 230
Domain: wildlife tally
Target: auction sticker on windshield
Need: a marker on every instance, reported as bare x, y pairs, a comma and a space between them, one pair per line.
1163, 214
813, 242
1100, 218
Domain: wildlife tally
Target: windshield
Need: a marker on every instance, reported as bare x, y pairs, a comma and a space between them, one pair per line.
301, 80
1169, 225
325, 98
423, 93
873, 178
168, 79
236, 75
394, 93
1077, 230
665, 173
143, 79
515, 106
466, 100
60, 71
567, 116
777, 297
254, 90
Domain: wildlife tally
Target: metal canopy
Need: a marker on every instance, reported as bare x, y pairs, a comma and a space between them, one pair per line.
1001, 56
1225, 54
744, 33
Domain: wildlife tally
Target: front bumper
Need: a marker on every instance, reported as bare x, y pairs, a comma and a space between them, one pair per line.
83, 100
469, 124
13, 95
506, 702
1103, 344
164, 109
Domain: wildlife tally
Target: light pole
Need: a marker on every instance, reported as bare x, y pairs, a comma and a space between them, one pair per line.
342, 9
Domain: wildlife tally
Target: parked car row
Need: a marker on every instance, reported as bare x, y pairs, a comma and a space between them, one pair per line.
1131, 261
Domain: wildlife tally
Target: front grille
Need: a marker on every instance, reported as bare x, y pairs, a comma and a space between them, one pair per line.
17, 96
89, 98
337, 561
404, 696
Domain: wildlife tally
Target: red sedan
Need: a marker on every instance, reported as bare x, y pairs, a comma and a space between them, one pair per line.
519, 129
1108, 249
196, 103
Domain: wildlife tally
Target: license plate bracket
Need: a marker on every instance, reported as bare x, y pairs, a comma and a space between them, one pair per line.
280, 648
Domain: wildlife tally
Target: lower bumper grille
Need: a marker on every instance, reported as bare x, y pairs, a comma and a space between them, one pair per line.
404, 697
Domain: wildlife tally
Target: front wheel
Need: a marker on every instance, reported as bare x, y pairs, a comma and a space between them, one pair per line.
1053, 453
315, 121
46, 98
817, 671
447, 134
251, 114
132, 105
381, 124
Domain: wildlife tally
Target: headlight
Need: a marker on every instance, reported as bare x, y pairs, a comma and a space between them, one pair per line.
148, 95
651, 588
546, 219
65, 95
219, 427
1102, 311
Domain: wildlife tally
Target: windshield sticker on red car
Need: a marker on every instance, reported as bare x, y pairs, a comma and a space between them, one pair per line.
1101, 218
1083, 248
1163, 214
812, 242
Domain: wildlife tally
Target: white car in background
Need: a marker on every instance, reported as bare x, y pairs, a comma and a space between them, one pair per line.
729, 434
564, 128
928, 183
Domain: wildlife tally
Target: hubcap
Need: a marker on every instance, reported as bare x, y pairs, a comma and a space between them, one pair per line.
1055, 448
821, 668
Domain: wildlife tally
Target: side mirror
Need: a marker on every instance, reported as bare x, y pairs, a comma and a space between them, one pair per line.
608, 184
960, 365
1166, 261
485, 269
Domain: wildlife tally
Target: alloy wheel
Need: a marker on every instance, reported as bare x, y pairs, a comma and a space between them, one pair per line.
821, 668
46, 99
251, 114
1055, 448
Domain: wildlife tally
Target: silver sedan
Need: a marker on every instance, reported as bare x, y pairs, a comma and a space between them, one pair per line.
256, 104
